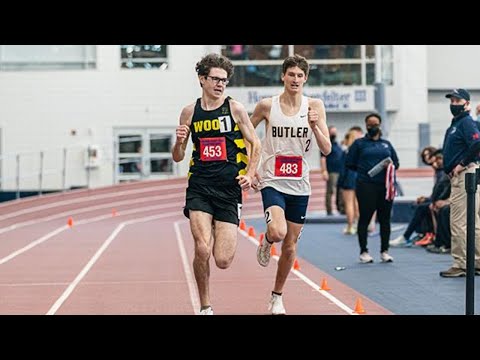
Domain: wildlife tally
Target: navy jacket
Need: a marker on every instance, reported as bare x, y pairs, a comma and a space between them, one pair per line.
334, 159
365, 153
461, 142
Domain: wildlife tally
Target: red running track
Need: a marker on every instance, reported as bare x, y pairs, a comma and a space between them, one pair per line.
130, 250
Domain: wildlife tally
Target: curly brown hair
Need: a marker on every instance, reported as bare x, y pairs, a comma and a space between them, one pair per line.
213, 60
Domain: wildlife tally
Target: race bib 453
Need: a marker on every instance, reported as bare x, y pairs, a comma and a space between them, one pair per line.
288, 166
213, 149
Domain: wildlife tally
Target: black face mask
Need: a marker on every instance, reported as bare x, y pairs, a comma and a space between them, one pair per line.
373, 131
333, 138
457, 109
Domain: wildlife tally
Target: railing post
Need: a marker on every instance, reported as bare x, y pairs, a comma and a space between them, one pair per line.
17, 179
115, 162
64, 170
471, 189
40, 174
88, 165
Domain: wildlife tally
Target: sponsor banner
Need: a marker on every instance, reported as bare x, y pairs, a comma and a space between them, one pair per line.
336, 99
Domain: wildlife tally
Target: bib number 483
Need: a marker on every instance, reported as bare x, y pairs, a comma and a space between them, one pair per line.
288, 166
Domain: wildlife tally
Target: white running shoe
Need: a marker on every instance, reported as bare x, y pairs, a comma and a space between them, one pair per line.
398, 241
365, 258
207, 311
276, 305
263, 253
385, 257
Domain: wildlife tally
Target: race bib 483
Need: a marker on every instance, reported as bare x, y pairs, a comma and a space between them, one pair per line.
288, 166
213, 149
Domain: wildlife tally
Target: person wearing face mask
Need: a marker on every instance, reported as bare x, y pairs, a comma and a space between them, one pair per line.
371, 192
461, 146
331, 167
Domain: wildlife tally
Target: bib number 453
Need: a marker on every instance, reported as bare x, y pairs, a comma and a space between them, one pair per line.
213, 149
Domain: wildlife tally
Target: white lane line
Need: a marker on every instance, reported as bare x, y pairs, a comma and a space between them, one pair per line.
167, 188
192, 288
96, 283
305, 279
83, 222
84, 271
33, 244
88, 209
97, 255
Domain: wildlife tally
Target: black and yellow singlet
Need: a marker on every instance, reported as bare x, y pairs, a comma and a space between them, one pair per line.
219, 154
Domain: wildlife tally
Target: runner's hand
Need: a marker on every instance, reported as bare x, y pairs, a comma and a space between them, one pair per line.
183, 131
313, 118
245, 182
256, 181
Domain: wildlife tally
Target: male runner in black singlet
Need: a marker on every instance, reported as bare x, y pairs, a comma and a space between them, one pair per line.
219, 169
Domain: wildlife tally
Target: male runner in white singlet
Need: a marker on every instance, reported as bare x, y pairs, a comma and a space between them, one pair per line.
292, 121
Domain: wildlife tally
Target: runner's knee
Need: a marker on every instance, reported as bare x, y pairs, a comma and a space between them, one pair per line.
288, 250
276, 235
202, 252
223, 263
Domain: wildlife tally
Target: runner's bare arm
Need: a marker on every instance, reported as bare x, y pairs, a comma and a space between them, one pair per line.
183, 133
249, 134
261, 112
317, 119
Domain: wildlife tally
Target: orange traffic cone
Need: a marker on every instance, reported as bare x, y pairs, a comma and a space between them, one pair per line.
296, 265
359, 307
261, 237
243, 226
114, 212
251, 231
70, 222
325, 285
273, 251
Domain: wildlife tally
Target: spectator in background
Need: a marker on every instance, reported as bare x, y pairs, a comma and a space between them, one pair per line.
421, 222
477, 113
428, 159
373, 193
331, 167
237, 52
426, 155
460, 156
347, 182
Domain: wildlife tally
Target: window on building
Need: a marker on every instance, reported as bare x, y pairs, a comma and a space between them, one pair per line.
47, 57
144, 56
331, 65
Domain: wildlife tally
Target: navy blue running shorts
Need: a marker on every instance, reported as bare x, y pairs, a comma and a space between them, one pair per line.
295, 206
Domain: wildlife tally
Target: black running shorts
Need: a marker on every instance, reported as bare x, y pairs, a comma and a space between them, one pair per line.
223, 202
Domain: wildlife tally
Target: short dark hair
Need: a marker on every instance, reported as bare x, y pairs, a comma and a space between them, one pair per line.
296, 60
373, 115
213, 60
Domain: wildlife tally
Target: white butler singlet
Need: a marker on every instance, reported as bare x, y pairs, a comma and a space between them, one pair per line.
288, 140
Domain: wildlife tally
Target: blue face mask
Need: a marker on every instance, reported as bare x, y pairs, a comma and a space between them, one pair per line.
456, 109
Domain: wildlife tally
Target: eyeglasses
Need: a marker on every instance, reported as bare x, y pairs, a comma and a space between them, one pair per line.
217, 80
